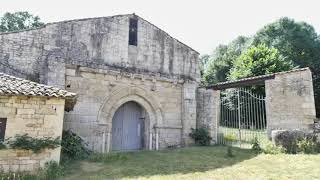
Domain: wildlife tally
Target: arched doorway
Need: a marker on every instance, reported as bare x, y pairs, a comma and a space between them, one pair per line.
128, 124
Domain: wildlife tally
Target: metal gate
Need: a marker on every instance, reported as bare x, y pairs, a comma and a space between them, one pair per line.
242, 118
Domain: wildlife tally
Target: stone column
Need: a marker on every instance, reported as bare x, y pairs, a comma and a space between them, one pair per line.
290, 101
188, 111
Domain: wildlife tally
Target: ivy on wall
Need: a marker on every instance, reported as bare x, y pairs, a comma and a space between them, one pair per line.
27, 142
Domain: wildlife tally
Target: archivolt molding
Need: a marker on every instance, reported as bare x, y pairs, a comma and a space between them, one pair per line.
123, 95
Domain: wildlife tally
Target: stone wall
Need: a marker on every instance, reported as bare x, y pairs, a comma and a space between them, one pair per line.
97, 43
189, 113
208, 111
38, 117
92, 58
290, 101
102, 92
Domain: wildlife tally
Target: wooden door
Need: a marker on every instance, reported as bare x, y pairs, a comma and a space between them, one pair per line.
127, 127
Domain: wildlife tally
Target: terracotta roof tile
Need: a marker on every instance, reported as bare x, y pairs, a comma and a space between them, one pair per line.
10, 85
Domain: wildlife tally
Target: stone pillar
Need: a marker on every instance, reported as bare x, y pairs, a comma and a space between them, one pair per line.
208, 111
290, 101
188, 111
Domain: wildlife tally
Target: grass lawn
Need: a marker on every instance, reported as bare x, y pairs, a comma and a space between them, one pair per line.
247, 135
197, 163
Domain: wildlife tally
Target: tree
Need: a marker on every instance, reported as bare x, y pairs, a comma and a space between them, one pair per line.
19, 21
203, 62
220, 62
296, 41
259, 60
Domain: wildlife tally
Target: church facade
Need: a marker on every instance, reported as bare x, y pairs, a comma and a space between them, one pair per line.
136, 84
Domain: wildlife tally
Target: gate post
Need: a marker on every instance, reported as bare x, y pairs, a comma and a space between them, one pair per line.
208, 111
290, 101
216, 115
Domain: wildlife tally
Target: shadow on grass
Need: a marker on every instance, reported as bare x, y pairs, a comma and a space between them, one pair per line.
165, 162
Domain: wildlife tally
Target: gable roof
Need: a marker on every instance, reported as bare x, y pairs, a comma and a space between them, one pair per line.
93, 18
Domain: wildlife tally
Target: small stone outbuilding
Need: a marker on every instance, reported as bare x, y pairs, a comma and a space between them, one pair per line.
30, 108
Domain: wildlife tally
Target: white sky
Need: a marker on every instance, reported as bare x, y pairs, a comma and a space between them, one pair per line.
201, 24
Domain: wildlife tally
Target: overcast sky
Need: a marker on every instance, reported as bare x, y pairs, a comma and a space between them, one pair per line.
201, 24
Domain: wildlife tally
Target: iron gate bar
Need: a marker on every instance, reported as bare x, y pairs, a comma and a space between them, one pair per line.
242, 113
239, 117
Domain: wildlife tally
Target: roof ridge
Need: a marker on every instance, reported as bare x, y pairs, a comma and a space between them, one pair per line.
84, 19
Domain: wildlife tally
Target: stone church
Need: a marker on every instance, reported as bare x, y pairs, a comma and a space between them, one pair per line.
136, 85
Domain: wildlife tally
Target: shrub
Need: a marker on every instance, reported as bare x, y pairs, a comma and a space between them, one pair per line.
306, 146
2, 145
201, 136
36, 145
289, 140
110, 157
52, 170
309, 144
73, 146
230, 138
256, 145
273, 149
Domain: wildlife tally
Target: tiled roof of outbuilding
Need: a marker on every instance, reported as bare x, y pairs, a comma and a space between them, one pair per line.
10, 85
250, 80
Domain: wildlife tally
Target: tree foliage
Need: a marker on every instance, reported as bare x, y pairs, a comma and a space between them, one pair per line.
19, 21
295, 42
257, 61
204, 59
220, 62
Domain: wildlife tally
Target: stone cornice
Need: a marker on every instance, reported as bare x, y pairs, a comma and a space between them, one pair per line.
133, 75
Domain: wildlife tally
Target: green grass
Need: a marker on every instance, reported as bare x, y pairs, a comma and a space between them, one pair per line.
196, 163
247, 135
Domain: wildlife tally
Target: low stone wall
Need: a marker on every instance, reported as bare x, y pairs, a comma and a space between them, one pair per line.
36, 116
14, 160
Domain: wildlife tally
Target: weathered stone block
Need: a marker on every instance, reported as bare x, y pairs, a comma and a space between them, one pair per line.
25, 111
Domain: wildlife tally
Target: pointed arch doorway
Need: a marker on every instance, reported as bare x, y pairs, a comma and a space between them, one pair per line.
128, 127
